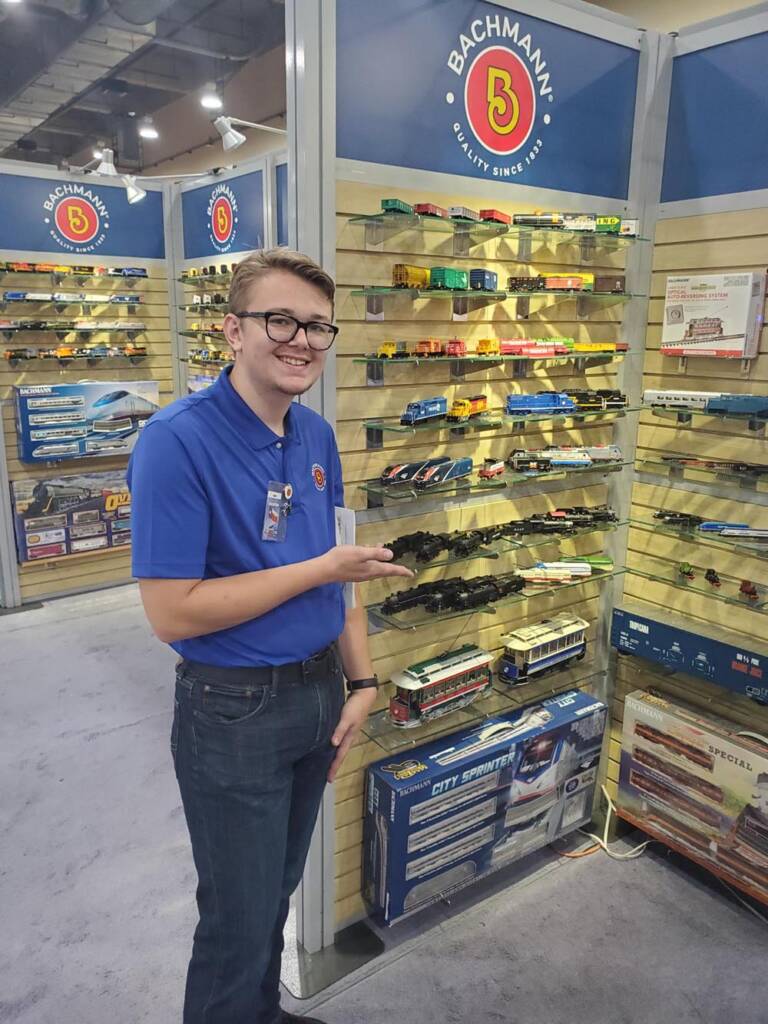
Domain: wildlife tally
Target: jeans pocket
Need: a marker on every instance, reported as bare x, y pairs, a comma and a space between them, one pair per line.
220, 706
175, 728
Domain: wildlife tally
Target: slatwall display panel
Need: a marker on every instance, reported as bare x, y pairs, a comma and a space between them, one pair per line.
360, 265
703, 244
89, 570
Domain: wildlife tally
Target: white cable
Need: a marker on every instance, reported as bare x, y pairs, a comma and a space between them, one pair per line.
741, 900
603, 842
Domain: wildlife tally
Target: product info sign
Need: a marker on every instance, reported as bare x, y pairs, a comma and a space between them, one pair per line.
223, 217
78, 218
480, 90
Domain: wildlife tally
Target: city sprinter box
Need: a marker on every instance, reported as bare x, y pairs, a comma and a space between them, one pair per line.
696, 782
465, 805
718, 315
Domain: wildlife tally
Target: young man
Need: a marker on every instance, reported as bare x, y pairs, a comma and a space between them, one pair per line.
234, 546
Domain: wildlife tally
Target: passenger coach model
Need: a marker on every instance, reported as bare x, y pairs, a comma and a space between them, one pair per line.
432, 688
714, 402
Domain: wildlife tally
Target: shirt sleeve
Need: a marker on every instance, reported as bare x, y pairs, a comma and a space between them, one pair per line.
338, 478
170, 510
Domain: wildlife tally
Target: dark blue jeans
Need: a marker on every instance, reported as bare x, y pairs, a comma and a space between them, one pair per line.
251, 764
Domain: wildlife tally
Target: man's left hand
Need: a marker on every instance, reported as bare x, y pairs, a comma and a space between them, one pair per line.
353, 715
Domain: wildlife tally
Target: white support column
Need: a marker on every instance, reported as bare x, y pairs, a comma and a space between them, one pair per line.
10, 591
310, 67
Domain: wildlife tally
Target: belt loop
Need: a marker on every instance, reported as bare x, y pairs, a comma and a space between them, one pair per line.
273, 684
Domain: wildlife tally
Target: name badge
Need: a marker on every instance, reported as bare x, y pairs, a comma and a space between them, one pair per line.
276, 511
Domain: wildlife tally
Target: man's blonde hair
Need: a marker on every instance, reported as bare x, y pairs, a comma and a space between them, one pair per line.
262, 262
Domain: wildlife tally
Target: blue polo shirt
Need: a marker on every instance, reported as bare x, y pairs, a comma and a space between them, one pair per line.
198, 479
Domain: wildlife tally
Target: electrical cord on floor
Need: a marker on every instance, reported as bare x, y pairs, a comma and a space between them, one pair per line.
602, 842
741, 900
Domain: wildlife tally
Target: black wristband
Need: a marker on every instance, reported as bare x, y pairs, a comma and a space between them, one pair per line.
371, 683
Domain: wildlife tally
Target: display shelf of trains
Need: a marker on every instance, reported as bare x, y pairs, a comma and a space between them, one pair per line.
687, 526
746, 475
456, 596
210, 274
684, 405
59, 272
65, 354
426, 548
60, 301
711, 582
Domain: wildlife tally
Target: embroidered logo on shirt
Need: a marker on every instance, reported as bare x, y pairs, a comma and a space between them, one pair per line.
318, 475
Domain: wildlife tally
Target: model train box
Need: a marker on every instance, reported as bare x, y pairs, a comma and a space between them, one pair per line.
465, 805
71, 514
637, 629
72, 421
718, 315
693, 781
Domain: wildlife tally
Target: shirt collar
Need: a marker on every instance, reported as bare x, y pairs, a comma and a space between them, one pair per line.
244, 419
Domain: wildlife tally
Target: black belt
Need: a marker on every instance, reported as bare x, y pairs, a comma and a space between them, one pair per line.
317, 668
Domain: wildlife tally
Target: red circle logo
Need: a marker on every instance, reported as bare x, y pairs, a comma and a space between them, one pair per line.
77, 220
222, 220
500, 100
318, 475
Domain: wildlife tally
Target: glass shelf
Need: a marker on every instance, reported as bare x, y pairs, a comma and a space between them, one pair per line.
415, 617
522, 418
753, 547
480, 361
204, 307
127, 280
700, 586
676, 471
67, 329
388, 292
219, 335
206, 279
683, 417
406, 492
108, 300
207, 362
508, 545
499, 700
491, 422
483, 230
89, 358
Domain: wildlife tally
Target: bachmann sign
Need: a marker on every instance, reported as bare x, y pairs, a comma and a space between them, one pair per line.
483, 91
82, 218
225, 217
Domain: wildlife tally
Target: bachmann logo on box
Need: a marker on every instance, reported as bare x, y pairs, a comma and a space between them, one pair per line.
507, 96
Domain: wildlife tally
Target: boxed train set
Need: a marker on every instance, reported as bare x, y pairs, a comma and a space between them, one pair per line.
692, 780
55, 422
462, 806
717, 315
71, 515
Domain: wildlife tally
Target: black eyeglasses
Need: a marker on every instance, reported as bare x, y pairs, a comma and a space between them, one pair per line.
281, 327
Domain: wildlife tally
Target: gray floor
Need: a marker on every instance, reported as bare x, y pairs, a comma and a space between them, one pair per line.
96, 898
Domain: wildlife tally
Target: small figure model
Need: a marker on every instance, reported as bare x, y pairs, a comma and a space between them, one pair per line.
686, 570
711, 577
749, 590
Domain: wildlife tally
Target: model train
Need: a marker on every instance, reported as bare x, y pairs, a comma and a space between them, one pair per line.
555, 457
428, 472
534, 650
20, 267
717, 465
555, 402
689, 521
530, 348
714, 402
431, 688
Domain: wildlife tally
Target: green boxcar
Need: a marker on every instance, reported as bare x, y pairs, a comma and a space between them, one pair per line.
447, 277
395, 206
607, 225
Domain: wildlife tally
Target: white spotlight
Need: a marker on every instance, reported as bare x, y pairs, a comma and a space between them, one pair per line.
147, 129
210, 98
106, 163
134, 193
230, 138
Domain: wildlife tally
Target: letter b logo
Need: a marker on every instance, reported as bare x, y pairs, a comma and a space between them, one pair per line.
77, 220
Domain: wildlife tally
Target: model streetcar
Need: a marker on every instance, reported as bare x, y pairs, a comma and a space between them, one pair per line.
464, 409
430, 210
432, 688
483, 280
539, 404
424, 410
395, 206
496, 216
405, 275
550, 644
448, 278
463, 213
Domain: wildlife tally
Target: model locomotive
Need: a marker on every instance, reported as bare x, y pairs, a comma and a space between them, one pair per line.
689, 521
551, 402
714, 402
531, 651
530, 348
428, 472
555, 457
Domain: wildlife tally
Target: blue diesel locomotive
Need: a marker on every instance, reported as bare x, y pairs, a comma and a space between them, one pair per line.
539, 404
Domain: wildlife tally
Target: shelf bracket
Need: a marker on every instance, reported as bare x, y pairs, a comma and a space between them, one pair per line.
461, 240
374, 373
458, 369
587, 248
522, 307
745, 367
583, 307
520, 368
374, 307
374, 500
524, 248
374, 438
757, 426
460, 308
682, 364
683, 418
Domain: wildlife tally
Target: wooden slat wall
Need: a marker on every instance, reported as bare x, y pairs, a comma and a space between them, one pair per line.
702, 244
355, 268
48, 578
